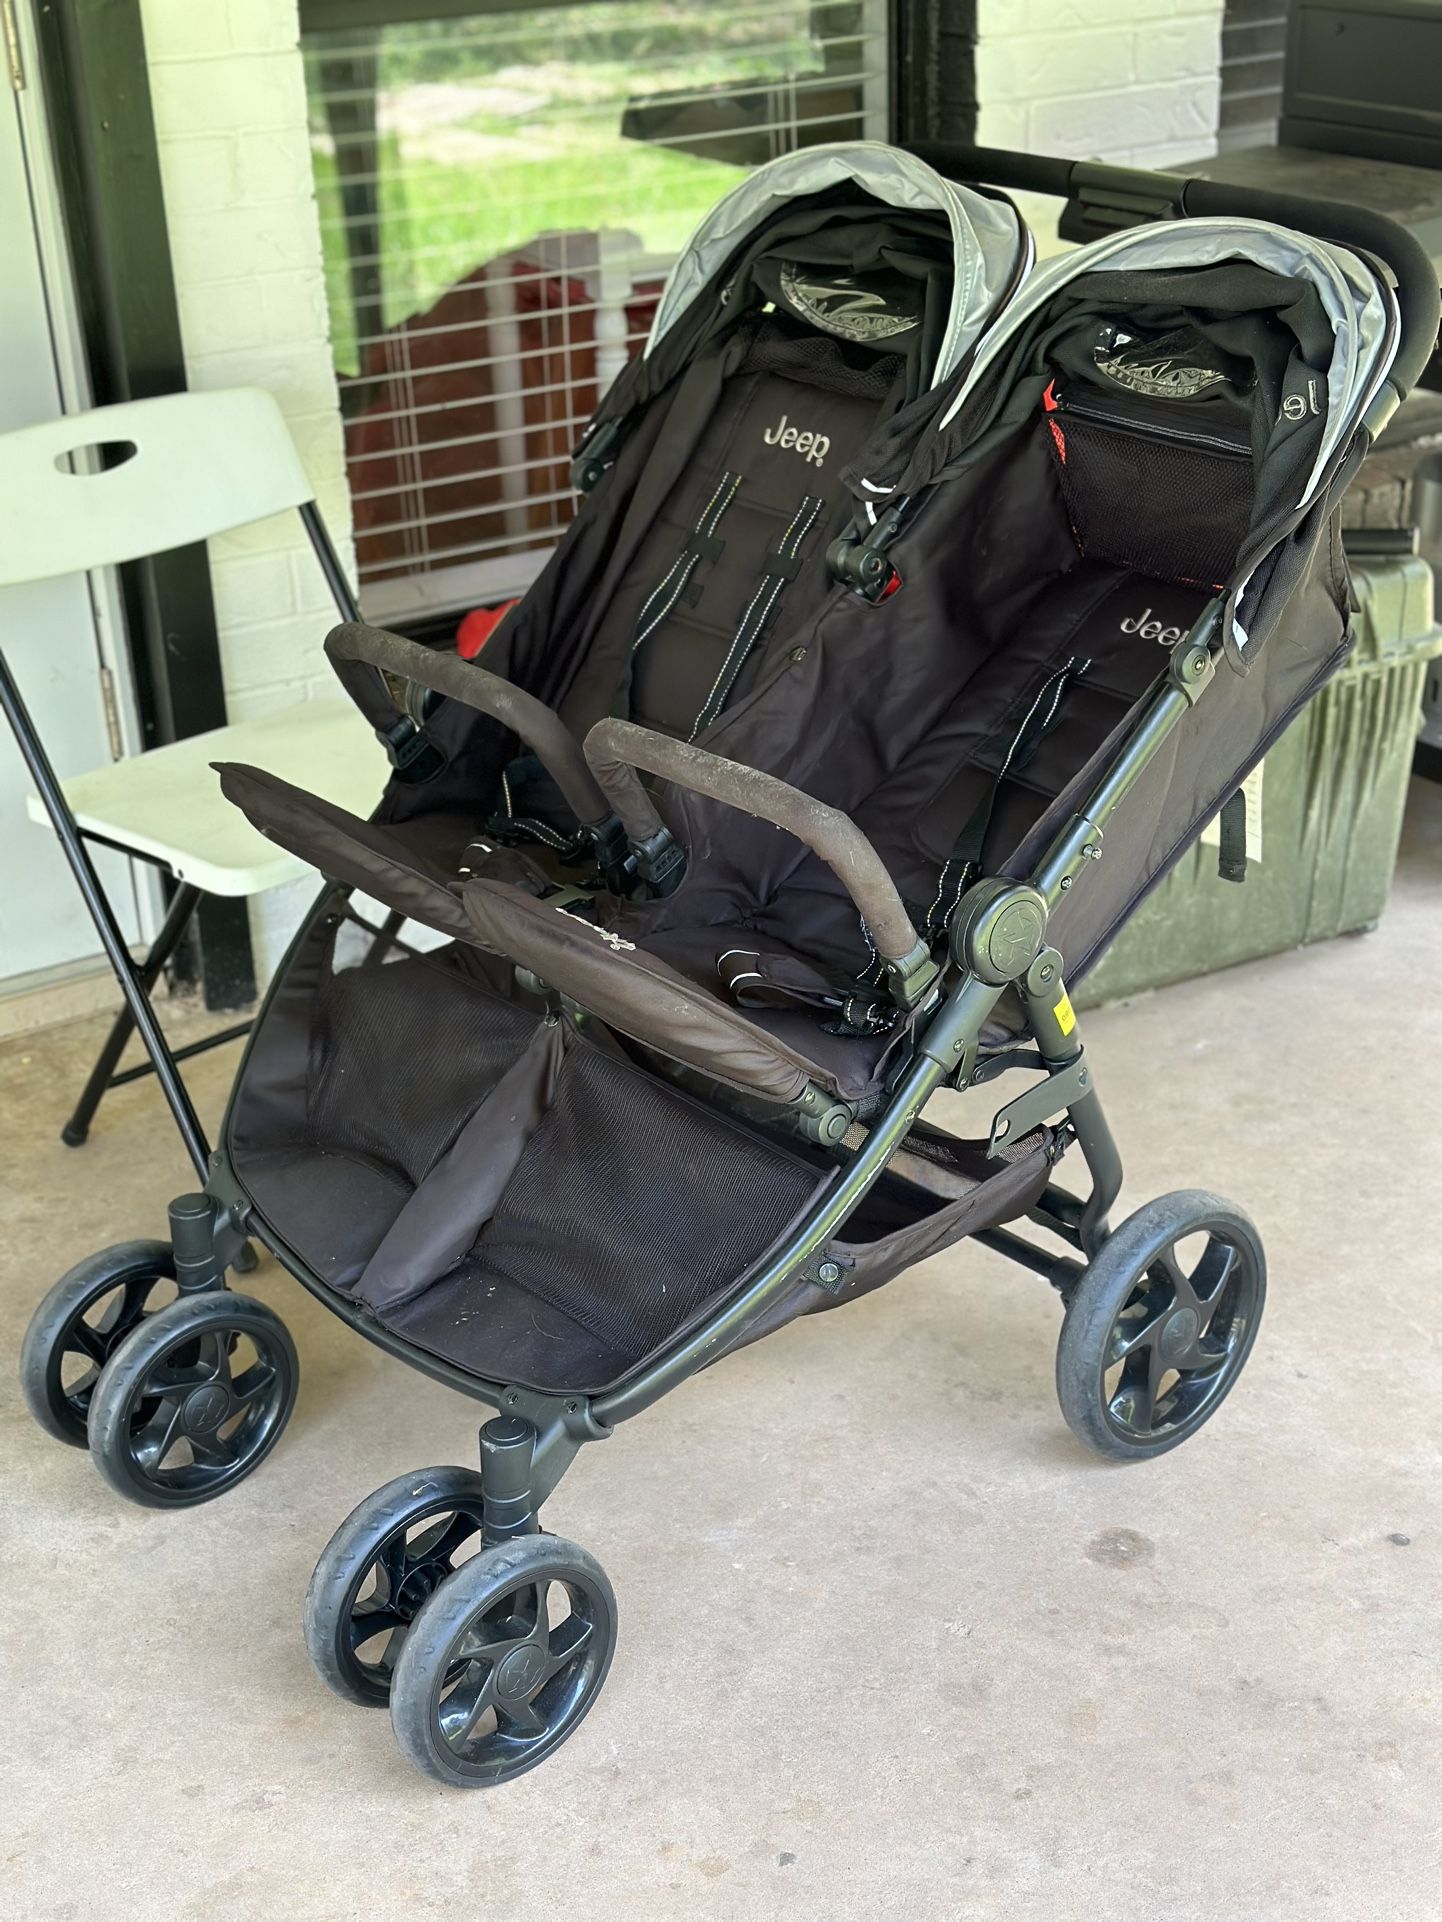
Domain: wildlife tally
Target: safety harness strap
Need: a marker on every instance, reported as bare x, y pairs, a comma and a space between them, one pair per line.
1232, 837
783, 564
757, 980
702, 545
964, 862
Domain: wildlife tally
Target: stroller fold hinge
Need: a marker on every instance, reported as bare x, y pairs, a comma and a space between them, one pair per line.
1044, 1102
821, 1117
1191, 667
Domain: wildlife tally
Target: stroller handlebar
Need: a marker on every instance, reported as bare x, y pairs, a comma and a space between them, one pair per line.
1137, 195
539, 726
615, 749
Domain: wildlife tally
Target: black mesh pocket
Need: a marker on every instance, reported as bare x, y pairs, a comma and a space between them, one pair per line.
401, 1053
822, 362
1170, 505
632, 1205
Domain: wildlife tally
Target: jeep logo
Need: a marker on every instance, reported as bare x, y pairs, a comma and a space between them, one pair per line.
1152, 630
815, 447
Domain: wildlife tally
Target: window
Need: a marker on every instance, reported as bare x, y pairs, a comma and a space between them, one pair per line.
501, 193
1254, 38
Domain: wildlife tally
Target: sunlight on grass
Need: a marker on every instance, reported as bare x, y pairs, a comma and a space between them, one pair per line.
494, 131
440, 221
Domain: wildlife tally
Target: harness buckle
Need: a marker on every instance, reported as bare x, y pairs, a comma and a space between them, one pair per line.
862, 565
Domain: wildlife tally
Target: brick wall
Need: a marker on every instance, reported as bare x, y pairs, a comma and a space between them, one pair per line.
230, 115
1134, 81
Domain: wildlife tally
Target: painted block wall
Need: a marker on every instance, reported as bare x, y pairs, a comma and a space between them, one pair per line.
1137, 82
230, 114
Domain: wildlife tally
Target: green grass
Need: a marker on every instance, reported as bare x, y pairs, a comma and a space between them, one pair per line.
507, 125
438, 222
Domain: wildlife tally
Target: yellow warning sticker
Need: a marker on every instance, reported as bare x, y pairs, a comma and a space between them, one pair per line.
1065, 1018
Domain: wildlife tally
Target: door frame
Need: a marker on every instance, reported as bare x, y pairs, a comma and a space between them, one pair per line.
73, 379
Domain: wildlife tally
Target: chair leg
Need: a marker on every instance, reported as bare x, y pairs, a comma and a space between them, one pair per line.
103, 915
178, 917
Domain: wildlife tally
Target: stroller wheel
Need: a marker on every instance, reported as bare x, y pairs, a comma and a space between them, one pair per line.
387, 1557
194, 1401
1160, 1325
503, 1661
81, 1323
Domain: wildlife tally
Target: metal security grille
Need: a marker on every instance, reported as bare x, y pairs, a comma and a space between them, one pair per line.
501, 192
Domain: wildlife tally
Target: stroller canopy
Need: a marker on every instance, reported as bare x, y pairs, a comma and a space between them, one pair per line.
990, 247
1360, 307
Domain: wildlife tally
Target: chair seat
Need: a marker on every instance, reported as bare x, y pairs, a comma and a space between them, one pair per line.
167, 805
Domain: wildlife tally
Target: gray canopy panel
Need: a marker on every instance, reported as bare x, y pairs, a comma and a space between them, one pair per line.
1361, 308
989, 240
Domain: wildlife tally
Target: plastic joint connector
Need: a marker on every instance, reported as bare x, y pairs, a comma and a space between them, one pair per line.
411, 752
911, 978
661, 861
862, 565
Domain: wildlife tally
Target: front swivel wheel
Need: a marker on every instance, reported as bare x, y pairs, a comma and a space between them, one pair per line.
194, 1400
1160, 1325
387, 1557
82, 1322
503, 1661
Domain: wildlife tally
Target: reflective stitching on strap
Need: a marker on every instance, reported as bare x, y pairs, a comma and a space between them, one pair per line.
684, 564
747, 630
539, 829
1056, 685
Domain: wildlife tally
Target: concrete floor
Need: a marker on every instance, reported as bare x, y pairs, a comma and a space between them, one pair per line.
891, 1644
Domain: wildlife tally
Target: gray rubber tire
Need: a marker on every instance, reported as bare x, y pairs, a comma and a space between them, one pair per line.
1086, 1351
429, 1656
348, 1558
135, 1266
178, 1338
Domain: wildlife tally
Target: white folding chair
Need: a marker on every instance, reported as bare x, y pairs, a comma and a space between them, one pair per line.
175, 470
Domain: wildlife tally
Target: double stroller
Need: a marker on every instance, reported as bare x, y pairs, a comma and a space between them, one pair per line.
922, 608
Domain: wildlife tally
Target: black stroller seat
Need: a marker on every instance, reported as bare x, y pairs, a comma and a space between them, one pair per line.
761, 972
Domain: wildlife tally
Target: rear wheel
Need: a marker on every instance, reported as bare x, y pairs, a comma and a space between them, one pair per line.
194, 1401
387, 1557
82, 1322
1160, 1325
503, 1662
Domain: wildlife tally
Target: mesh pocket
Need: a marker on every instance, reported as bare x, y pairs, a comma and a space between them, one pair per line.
822, 362
1172, 508
401, 1053
633, 1205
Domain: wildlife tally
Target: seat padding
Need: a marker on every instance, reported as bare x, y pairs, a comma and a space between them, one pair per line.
359, 853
